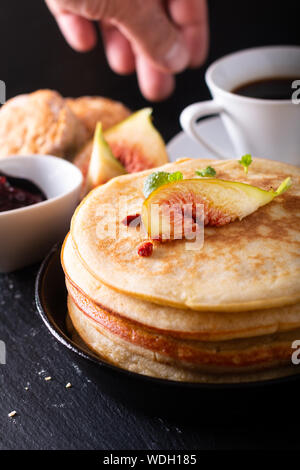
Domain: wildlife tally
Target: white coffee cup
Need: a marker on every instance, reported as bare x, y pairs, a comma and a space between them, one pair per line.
263, 128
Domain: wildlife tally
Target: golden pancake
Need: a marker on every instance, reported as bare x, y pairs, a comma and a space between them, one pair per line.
135, 358
230, 355
246, 265
205, 326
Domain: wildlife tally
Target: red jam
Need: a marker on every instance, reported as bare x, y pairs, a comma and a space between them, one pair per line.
145, 249
16, 193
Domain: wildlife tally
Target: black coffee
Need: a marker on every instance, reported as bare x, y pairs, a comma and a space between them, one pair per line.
273, 88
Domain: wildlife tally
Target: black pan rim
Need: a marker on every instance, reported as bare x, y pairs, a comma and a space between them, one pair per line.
62, 338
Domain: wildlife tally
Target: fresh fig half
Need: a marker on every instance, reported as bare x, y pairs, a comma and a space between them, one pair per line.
103, 165
221, 202
136, 143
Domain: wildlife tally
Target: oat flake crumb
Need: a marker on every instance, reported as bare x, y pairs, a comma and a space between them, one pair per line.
12, 414
69, 385
48, 378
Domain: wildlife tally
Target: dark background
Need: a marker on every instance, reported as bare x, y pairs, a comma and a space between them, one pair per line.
34, 55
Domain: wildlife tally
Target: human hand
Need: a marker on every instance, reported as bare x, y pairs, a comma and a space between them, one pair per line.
155, 38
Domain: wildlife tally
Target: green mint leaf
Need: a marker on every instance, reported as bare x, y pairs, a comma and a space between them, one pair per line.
208, 171
159, 178
246, 161
176, 176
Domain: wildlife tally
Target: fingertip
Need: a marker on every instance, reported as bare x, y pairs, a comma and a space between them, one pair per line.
154, 84
159, 39
79, 32
177, 58
192, 19
188, 13
118, 51
197, 41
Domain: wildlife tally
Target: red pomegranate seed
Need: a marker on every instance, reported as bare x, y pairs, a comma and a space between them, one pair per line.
145, 249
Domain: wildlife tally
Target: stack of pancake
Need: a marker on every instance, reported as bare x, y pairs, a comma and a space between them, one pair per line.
227, 312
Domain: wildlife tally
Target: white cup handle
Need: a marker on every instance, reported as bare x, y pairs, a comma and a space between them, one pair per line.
193, 112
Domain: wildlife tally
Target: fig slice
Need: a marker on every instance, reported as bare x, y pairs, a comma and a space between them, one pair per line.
103, 165
220, 202
136, 143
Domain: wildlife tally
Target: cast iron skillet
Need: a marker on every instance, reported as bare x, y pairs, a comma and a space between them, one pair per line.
137, 389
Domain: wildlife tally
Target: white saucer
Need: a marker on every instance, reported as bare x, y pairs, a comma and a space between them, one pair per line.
212, 130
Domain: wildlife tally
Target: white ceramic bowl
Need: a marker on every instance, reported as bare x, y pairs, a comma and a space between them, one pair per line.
27, 234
